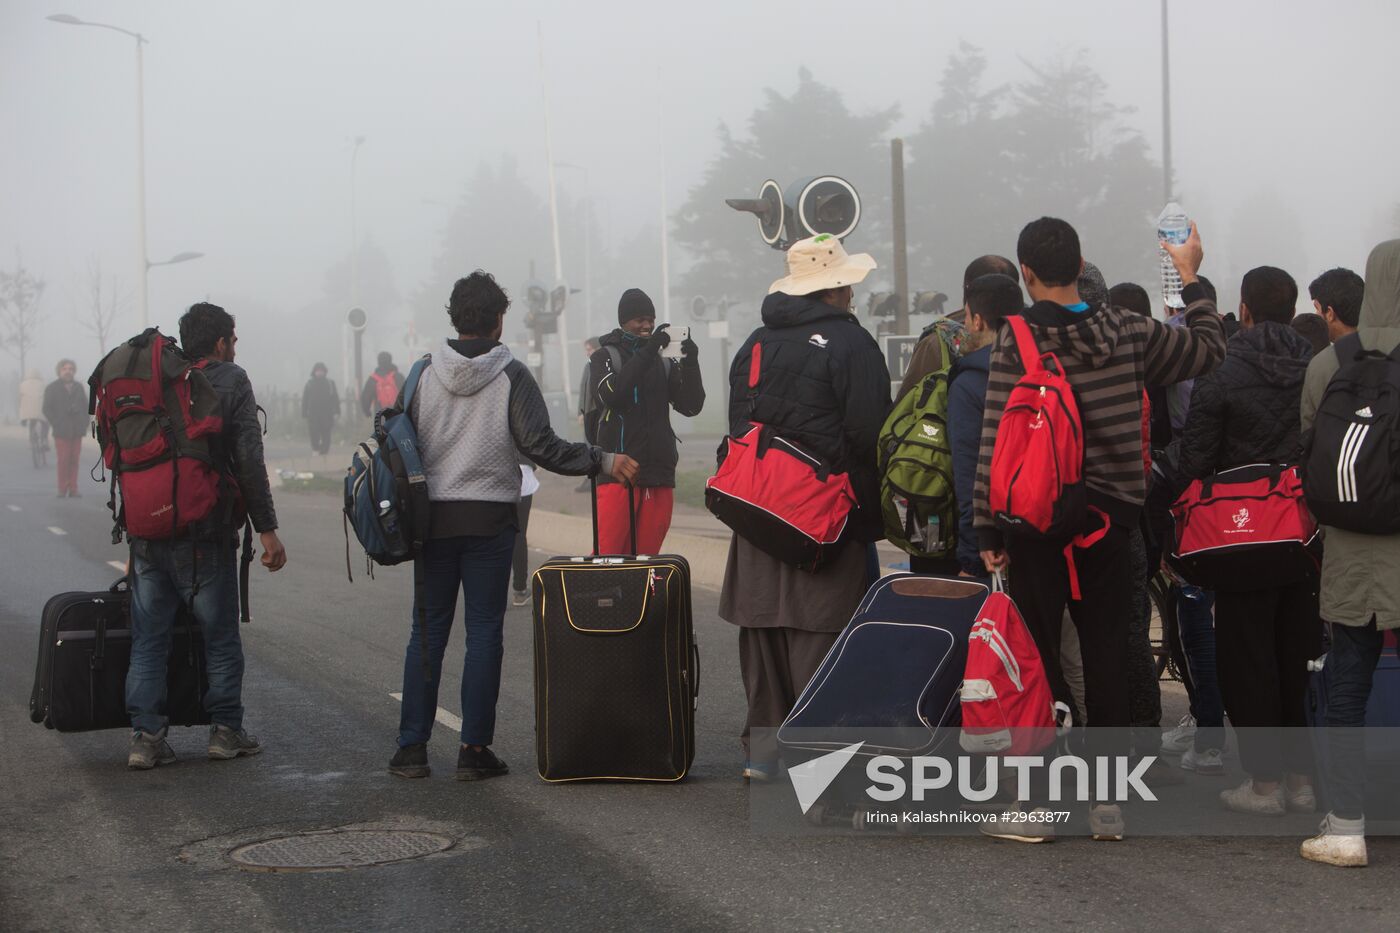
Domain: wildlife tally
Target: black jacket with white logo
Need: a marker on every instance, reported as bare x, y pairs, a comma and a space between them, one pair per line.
823, 384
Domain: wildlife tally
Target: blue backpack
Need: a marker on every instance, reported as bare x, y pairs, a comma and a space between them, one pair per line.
386, 491
386, 499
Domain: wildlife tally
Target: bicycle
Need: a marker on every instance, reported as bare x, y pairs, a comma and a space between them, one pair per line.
1163, 627
38, 441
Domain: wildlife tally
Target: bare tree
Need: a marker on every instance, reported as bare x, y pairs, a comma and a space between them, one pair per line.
100, 311
20, 312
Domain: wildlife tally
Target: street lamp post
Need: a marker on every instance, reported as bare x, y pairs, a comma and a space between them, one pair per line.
587, 245
142, 264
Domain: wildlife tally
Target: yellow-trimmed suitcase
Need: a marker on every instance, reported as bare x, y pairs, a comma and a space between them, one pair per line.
616, 667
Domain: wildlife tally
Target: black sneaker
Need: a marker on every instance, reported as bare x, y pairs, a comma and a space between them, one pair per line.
410, 761
475, 765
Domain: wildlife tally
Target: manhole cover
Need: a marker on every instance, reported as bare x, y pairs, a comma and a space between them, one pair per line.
353, 848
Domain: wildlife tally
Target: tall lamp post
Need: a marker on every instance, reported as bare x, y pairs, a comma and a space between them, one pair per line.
587, 250
142, 264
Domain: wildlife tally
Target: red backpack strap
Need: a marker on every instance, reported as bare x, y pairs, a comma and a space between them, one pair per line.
755, 365
1025, 344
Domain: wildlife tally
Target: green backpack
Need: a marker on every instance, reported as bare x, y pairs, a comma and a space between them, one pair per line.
916, 468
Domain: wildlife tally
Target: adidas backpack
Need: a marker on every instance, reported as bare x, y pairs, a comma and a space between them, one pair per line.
1351, 461
917, 499
158, 420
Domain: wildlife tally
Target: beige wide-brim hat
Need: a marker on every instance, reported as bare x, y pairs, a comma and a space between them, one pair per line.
821, 262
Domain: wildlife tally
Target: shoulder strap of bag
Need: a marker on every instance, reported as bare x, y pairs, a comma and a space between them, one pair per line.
1347, 348
410, 385
1025, 344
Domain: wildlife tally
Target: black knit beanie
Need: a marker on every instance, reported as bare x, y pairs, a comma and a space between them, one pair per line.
633, 304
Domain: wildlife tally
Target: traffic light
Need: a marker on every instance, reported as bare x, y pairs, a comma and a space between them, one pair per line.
882, 304
807, 207
929, 303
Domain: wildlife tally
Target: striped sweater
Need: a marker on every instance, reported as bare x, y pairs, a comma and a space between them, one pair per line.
1110, 355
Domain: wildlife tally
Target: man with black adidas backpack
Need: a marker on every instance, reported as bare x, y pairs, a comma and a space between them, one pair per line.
197, 566
1351, 425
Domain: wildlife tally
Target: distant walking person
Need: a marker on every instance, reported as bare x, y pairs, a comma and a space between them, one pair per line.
381, 389
320, 406
520, 564
636, 390
66, 410
31, 415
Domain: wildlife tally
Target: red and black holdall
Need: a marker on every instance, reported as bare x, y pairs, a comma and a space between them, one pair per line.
157, 421
1245, 528
778, 496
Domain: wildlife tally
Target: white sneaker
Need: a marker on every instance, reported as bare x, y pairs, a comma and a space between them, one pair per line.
1106, 823
1302, 800
1178, 740
1208, 762
1243, 799
1019, 825
1332, 848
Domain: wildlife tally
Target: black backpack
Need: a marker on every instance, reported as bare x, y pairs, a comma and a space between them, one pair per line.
1351, 459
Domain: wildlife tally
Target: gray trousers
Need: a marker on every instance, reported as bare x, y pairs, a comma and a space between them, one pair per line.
776, 664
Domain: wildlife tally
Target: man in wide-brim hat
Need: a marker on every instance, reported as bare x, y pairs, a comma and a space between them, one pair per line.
823, 385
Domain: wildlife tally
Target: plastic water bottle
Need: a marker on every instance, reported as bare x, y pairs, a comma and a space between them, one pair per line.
1175, 227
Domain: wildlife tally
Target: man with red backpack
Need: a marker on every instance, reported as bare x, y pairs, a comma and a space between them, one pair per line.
195, 565
1070, 546
381, 389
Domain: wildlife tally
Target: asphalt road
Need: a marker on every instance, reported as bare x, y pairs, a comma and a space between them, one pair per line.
85, 844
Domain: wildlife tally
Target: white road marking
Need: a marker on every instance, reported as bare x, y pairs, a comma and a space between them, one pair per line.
57, 531
443, 716
14, 508
117, 565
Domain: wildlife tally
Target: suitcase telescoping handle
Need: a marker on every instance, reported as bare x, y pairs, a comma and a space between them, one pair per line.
631, 513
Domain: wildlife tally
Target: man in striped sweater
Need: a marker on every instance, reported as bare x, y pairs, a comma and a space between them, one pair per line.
1109, 355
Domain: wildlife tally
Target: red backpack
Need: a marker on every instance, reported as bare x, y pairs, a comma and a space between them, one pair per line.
386, 389
1007, 706
1037, 481
157, 420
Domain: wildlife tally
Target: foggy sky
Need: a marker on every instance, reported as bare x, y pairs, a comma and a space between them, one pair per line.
250, 108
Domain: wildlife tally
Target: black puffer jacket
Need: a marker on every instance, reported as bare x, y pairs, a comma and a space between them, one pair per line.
636, 401
823, 384
1247, 410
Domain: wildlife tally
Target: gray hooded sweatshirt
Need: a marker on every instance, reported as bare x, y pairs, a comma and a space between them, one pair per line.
1361, 573
473, 411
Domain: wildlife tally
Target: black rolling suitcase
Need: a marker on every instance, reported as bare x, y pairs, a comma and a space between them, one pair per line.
84, 652
616, 667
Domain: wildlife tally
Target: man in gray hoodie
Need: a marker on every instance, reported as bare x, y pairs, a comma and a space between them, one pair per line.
474, 408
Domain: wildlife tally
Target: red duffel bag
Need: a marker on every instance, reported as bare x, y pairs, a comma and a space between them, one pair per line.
780, 498
1245, 528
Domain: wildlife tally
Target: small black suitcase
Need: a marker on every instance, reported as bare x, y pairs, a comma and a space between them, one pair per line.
84, 652
616, 667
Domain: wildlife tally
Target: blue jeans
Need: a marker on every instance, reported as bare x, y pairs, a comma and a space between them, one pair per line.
1351, 665
480, 566
1196, 628
162, 580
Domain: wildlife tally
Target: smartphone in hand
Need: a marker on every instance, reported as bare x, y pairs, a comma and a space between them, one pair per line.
679, 335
